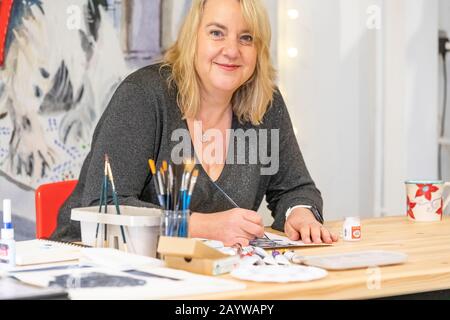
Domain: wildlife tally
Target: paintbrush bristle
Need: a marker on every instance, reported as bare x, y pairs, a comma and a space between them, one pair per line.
106, 165
152, 165
111, 178
189, 165
195, 173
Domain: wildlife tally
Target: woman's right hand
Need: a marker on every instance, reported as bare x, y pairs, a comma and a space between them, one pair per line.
231, 226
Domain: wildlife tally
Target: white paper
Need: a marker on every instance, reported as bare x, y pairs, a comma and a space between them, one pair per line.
113, 284
112, 258
274, 236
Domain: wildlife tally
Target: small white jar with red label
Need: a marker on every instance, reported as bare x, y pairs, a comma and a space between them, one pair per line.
352, 229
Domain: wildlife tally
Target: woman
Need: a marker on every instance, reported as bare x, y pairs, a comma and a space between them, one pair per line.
218, 74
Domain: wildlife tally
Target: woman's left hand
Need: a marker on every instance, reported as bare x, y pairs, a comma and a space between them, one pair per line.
302, 225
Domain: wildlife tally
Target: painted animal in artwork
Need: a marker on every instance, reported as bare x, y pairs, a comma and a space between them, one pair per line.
54, 85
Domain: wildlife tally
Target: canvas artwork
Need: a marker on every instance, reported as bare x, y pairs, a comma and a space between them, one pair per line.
61, 62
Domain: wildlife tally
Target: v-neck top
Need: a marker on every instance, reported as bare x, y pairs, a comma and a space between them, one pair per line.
137, 125
233, 127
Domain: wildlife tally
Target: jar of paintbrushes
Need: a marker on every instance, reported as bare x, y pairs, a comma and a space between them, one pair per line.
174, 186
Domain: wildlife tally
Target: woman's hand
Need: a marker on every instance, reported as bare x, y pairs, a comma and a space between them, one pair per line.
231, 227
302, 225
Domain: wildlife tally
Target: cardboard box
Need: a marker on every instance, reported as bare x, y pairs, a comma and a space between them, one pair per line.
194, 256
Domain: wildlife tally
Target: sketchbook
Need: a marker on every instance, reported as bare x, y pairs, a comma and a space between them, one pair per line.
45, 251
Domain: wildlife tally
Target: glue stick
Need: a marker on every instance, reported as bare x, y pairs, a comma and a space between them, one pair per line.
7, 243
352, 229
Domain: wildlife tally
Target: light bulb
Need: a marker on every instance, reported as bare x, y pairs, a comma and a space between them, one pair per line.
293, 14
292, 52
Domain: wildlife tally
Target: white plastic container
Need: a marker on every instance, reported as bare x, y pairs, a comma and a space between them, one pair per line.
351, 230
141, 226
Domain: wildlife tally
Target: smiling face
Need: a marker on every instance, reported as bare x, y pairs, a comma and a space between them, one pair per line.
226, 52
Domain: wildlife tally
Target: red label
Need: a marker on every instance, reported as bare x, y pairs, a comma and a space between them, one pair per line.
356, 232
3, 250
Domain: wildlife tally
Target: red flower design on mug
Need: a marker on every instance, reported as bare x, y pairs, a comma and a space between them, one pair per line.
410, 205
426, 190
439, 212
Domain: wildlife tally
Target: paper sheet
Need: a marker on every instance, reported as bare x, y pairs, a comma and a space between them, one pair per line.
144, 283
277, 241
112, 258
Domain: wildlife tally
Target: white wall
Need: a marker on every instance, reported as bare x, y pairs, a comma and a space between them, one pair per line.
411, 99
329, 89
444, 24
347, 77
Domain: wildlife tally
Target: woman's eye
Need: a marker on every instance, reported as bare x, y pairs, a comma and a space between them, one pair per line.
247, 39
216, 33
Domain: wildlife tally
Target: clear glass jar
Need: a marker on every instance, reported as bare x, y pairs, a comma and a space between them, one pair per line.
175, 223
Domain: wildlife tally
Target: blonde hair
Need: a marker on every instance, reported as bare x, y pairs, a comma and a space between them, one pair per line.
249, 102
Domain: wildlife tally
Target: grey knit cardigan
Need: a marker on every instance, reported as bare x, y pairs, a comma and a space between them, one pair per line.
138, 125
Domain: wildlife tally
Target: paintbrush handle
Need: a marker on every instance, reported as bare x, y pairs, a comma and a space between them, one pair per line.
226, 195
102, 195
158, 193
116, 203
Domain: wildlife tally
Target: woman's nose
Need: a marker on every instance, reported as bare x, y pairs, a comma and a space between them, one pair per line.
231, 49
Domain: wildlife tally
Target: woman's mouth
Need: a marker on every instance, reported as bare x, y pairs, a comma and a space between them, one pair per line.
227, 67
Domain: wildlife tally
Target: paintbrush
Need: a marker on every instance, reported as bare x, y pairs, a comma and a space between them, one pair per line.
103, 201
232, 201
188, 167
170, 185
116, 203
192, 183
183, 231
103, 198
159, 191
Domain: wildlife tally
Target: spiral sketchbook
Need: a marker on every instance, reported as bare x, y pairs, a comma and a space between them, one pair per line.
45, 251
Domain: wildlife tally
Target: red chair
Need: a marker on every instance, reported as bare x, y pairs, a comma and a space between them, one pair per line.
49, 199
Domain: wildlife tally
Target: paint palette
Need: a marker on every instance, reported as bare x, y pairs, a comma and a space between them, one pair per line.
353, 260
279, 274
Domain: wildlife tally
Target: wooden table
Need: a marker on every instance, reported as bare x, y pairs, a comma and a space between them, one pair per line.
427, 269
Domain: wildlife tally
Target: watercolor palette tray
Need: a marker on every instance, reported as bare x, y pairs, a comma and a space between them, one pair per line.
353, 260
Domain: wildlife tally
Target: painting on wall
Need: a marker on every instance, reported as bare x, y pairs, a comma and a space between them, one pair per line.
61, 62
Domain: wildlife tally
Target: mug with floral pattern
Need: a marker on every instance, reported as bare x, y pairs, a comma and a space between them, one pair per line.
425, 200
